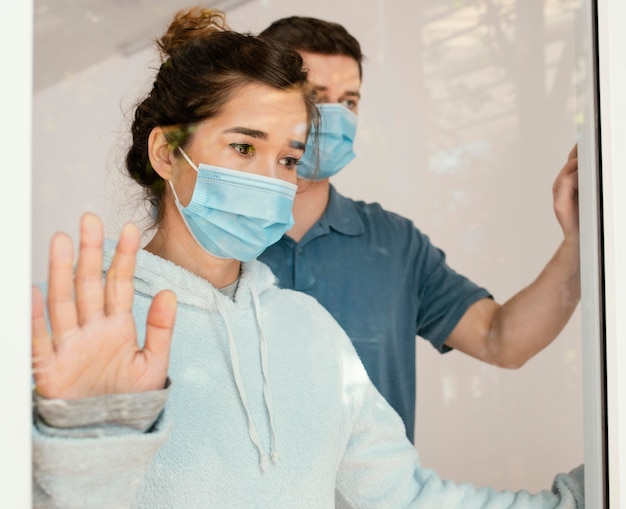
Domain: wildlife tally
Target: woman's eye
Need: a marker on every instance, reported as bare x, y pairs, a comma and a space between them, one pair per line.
349, 103
290, 162
245, 149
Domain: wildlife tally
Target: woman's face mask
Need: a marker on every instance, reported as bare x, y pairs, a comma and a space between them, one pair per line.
234, 214
334, 143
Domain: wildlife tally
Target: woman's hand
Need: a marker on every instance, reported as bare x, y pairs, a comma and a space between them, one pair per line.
93, 348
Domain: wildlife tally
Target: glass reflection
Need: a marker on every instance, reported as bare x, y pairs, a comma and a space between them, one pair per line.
469, 111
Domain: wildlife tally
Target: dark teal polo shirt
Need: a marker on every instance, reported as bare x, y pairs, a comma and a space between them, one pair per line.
384, 282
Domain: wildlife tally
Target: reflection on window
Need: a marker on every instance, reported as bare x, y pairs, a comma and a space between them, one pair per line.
471, 54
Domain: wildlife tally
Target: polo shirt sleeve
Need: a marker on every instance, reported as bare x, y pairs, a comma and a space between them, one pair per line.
443, 294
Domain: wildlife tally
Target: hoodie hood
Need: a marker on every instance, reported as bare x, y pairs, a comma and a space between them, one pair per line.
153, 274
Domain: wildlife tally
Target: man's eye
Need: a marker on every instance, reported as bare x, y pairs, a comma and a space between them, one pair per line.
245, 149
319, 98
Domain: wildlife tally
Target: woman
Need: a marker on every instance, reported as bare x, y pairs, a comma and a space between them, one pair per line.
268, 405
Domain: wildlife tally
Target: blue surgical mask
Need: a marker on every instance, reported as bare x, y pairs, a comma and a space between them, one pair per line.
234, 214
334, 143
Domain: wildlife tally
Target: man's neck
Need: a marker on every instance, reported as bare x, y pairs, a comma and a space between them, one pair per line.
309, 206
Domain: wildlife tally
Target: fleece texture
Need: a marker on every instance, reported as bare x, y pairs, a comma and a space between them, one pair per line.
269, 407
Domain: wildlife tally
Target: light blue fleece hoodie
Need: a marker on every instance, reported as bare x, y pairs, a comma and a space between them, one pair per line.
269, 407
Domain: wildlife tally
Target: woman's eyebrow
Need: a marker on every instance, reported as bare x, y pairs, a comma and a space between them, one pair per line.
262, 135
254, 133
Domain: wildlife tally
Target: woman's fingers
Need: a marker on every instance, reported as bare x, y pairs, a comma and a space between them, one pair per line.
119, 287
92, 349
159, 327
42, 347
61, 305
89, 290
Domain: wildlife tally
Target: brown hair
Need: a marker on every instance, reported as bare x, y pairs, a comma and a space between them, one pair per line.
204, 64
315, 35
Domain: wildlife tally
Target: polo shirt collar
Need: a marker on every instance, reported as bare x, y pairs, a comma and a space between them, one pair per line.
341, 214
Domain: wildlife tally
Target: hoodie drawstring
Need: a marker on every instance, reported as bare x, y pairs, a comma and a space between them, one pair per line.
267, 391
234, 359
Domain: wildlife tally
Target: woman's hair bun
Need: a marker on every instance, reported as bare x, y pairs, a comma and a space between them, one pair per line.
188, 25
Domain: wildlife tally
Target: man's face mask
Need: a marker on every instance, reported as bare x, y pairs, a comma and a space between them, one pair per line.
334, 143
234, 214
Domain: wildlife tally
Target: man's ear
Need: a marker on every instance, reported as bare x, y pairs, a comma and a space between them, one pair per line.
160, 154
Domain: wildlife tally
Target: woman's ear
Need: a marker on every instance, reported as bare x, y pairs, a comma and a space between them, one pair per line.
160, 154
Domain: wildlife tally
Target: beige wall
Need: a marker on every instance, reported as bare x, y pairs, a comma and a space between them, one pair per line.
468, 113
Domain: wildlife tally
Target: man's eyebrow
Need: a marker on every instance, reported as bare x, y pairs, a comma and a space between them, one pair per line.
254, 133
347, 93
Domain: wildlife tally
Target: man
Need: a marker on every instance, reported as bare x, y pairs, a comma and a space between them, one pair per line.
377, 274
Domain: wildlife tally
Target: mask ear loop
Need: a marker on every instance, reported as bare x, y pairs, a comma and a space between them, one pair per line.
184, 154
188, 159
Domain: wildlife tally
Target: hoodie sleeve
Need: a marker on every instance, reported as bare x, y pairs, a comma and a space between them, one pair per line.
381, 468
94, 453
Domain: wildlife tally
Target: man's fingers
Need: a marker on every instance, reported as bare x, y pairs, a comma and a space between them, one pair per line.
160, 326
61, 305
89, 288
568, 176
119, 287
574, 152
566, 202
570, 166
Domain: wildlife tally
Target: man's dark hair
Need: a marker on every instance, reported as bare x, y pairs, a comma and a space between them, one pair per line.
314, 36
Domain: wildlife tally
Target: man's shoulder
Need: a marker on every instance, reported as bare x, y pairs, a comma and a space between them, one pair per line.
374, 213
